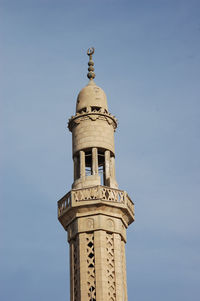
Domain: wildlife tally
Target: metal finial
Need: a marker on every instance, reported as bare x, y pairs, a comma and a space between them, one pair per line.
91, 74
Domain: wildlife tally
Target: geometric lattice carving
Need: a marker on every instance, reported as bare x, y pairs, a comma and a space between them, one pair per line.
113, 195
110, 267
98, 192
91, 267
76, 269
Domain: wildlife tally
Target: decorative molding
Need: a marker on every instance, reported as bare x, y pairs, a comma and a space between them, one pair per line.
93, 116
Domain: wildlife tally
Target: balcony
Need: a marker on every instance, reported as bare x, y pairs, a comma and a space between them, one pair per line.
96, 193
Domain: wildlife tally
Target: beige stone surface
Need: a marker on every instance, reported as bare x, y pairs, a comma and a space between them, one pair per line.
96, 219
93, 133
95, 213
91, 95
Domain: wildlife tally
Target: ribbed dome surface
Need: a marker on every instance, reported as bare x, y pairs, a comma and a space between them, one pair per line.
91, 96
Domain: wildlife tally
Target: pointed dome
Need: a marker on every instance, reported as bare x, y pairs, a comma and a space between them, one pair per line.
91, 96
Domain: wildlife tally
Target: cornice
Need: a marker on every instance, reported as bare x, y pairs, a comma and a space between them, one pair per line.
93, 116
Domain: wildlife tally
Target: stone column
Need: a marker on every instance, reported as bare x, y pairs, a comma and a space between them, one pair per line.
107, 166
82, 164
94, 161
75, 168
112, 167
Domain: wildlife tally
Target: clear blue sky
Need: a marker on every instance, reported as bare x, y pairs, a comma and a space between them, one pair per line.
147, 60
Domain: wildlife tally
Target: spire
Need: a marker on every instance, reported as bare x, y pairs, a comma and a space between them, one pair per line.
91, 74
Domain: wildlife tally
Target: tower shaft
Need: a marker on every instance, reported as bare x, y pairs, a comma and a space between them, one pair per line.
95, 213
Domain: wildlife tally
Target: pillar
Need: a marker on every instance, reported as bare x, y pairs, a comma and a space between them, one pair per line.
112, 167
76, 176
107, 166
94, 161
82, 164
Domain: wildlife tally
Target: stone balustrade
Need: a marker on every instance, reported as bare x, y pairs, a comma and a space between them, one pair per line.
101, 193
64, 203
130, 204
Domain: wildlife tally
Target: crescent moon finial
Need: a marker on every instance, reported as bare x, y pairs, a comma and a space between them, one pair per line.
90, 51
91, 74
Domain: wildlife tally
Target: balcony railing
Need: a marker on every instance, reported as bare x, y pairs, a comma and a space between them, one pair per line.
102, 193
64, 203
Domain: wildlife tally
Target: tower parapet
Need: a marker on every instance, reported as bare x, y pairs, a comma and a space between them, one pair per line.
95, 213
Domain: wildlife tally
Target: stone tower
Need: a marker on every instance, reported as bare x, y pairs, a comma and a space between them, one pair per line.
95, 212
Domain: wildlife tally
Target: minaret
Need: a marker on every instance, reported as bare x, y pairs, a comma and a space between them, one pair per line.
95, 212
